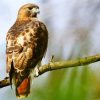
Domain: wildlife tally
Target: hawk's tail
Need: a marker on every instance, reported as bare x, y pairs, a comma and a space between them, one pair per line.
23, 88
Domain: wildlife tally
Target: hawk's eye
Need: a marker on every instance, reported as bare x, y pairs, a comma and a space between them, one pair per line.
30, 8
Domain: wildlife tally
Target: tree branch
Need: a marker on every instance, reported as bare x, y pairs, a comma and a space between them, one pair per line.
5, 82
59, 65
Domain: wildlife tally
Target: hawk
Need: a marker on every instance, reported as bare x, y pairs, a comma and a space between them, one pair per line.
26, 44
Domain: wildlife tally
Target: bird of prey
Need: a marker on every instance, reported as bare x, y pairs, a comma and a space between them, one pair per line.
26, 44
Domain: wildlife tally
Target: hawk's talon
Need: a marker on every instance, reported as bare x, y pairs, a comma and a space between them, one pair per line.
6, 77
36, 70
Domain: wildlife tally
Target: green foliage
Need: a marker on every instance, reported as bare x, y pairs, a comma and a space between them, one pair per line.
73, 84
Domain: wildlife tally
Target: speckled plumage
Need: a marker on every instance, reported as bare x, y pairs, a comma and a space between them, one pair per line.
26, 44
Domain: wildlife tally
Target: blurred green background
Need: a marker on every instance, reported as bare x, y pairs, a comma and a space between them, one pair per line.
74, 31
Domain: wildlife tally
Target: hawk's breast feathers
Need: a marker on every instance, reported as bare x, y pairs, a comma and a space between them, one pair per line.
26, 41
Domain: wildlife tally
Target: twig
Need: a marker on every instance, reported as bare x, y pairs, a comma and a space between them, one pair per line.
59, 65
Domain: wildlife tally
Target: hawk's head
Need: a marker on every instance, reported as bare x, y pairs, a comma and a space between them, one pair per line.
28, 11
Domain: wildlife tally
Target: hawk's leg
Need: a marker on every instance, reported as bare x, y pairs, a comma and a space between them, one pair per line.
36, 71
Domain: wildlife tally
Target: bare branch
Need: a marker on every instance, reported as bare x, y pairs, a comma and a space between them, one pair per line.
59, 65
68, 64
5, 82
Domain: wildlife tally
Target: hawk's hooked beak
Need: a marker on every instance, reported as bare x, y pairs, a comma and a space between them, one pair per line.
35, 10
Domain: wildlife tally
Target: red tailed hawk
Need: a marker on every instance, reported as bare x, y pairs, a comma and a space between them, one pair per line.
26, 44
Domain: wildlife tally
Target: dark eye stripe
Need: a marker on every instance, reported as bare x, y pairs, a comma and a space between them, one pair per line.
30, 8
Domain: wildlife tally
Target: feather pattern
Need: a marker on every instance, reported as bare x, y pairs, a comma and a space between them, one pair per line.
26, 44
